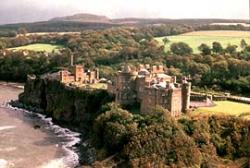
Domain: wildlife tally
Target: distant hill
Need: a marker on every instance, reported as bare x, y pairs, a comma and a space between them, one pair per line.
83, 17
80, 22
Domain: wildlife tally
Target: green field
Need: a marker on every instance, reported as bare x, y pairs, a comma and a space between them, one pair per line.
195, 39
226, 108
39, 47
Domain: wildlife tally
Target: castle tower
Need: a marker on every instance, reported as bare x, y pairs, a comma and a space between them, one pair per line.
79, 73
186, 92
126, 86
64, 76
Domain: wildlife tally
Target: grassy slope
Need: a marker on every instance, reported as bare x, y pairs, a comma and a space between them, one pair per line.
194, 39
39, 47
225, 108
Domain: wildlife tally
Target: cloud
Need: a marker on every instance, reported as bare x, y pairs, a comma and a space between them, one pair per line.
33, 10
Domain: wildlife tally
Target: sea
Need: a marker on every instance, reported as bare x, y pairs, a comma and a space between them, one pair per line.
31, 140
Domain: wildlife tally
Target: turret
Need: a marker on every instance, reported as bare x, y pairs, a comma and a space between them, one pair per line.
186, 92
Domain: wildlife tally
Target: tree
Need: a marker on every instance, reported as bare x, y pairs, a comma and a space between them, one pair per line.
22, 31
243, 44
231, 49
165, 40
247, 48
220, 68
204, 49
217, 47
181, 49
2, 45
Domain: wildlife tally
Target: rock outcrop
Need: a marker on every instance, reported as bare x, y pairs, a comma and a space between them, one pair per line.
73, 107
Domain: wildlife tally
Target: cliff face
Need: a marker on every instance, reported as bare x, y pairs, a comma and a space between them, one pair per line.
66, 105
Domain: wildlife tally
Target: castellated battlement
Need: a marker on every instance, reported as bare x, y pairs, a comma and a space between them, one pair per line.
151, 87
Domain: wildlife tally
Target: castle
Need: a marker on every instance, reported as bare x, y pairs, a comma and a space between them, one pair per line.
147, 85
79, 75
151, 87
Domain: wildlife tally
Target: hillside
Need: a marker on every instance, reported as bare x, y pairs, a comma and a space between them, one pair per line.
80, 22
57, 26
84, 17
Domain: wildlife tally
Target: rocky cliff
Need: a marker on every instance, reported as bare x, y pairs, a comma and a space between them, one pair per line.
73, 107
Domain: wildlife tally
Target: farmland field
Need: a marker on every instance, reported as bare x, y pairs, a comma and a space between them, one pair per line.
226, 108
195, 39
39, 47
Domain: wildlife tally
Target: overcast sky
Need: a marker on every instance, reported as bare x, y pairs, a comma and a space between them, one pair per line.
12, 11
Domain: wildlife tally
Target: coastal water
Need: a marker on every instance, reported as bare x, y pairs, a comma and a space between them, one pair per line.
28, 140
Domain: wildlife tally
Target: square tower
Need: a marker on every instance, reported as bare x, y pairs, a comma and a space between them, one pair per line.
79, 73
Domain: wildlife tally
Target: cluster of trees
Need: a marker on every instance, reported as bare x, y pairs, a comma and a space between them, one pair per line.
217, 48
15, 66
8, 33
223, 27
158, 140
217, 67
182, 48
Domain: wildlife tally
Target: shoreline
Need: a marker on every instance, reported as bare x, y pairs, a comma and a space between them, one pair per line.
69, 139
12, 84
65, 140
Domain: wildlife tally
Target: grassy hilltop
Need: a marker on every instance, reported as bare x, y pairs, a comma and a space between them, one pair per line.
39, 47
195, 39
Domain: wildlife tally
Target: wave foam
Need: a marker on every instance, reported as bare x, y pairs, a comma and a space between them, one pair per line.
3, 163
70, 139
6, 127
56, 163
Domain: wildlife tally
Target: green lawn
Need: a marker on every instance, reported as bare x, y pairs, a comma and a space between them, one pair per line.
195, 39
39, 47
226, 108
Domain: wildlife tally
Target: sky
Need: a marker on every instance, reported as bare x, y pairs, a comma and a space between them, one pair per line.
13, 11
